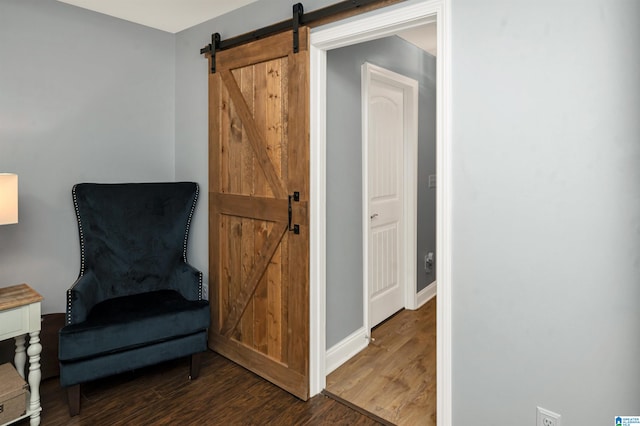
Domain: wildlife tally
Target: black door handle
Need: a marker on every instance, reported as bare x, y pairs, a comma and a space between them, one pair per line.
295, 228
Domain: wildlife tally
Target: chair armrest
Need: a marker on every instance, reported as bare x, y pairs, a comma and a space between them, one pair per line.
187, 281
81, 297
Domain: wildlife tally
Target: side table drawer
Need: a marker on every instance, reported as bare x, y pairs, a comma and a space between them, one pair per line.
14, 322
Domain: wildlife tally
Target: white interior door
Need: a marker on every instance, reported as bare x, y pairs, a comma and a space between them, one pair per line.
386, 132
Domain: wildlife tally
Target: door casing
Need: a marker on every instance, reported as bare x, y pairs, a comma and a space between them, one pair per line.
355, 30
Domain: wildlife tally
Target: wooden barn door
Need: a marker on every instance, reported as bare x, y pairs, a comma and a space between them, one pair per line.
258, 209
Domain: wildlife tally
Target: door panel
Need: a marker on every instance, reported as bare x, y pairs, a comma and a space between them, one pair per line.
258, 156
385, 154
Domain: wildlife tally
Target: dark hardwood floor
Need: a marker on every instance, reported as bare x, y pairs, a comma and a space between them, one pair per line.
224, 394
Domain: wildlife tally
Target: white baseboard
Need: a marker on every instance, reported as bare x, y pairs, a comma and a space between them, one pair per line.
344, 350
427, 293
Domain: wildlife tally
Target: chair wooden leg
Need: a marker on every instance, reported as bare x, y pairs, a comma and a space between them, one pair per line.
73, 395
195, 365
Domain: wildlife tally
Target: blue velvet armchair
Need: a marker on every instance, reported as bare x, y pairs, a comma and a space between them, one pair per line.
136, 301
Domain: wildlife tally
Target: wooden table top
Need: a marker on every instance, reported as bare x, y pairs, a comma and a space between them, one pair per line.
17, 295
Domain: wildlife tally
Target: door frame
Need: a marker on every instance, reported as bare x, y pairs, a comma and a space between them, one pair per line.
350, 31
409, 243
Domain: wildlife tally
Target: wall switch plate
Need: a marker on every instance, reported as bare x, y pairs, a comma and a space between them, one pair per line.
545, 417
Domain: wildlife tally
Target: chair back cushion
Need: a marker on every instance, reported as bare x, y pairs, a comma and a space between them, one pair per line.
133, 235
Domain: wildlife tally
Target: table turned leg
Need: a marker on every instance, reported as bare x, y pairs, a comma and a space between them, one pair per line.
35, 375
20, 358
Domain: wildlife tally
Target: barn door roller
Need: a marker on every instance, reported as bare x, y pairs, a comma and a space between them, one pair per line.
299, 18
217, 43
298, 11
212, 47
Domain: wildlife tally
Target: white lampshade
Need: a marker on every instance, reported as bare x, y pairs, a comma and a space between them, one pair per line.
8, 198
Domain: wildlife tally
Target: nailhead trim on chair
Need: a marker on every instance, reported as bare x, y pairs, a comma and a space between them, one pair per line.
75, 205
186, 232
69, 306
186, 237
82, 257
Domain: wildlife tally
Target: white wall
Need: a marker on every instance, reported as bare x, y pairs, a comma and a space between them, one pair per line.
83, 97
546, 224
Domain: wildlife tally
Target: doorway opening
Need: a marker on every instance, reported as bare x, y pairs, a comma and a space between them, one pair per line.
379, 159
354, 30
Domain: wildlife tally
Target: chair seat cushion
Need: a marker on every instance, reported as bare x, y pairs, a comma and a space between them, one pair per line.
127, 322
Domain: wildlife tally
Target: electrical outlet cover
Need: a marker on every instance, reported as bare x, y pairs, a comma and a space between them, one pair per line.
545, 417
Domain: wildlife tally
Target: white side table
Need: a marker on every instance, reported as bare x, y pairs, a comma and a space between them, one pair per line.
19, 315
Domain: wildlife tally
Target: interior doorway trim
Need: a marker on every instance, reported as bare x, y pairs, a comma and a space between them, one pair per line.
362, 28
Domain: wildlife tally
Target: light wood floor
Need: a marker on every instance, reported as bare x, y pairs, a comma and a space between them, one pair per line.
224, 394
394, 378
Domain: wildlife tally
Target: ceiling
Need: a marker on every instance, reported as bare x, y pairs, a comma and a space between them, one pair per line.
166, 15
423, 36
176, 15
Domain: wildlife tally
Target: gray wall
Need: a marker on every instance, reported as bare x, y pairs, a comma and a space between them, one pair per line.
83, 97
344, 171
546, 202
